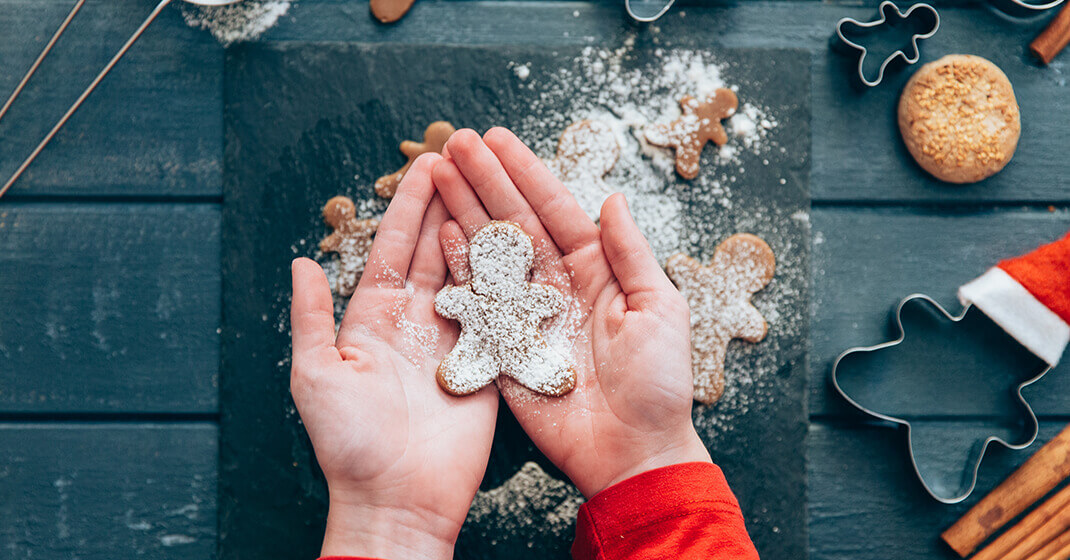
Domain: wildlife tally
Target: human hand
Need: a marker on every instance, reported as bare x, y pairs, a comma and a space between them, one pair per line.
402, 458
631, 409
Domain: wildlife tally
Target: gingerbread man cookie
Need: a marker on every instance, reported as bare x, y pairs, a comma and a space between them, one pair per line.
389, 11
699, 123
351, 239
435, 137
719, 298
500, 313
587, 151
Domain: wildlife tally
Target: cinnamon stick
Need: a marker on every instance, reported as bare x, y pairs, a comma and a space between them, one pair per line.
1044, 534
1039, 475
1054, 37
1054, 549
1027, 526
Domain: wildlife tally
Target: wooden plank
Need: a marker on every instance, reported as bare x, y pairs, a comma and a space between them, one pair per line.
109, 308
154, 127
851, 127
108, 491
865, 501
865, 260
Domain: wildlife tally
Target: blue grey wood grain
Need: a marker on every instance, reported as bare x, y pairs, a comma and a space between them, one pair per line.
866, 502
154, 127
107, 491
865, 260
109, 308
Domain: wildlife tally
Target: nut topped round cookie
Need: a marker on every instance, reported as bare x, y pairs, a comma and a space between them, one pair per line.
959, 118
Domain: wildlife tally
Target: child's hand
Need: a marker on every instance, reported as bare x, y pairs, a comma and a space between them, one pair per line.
631, 409
402, 458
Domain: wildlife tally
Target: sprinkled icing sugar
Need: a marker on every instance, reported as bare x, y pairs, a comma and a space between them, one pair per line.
530, 504
235, 23
500, 313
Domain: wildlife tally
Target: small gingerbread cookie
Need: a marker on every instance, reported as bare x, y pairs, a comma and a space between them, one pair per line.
699, 123
389, 11
500, 313
587, 151
959, 118
435, 137
719, 298
351, 239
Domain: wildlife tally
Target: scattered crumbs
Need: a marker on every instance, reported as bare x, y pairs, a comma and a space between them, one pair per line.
522, 71
531, 504
243, 21
175, 540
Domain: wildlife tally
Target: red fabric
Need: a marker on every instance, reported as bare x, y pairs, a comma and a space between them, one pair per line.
682, 512
1046, 274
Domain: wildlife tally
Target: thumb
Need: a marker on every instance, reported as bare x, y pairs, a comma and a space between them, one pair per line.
312, 316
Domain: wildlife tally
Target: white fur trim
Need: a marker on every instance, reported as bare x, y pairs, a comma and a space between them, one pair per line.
1012, 307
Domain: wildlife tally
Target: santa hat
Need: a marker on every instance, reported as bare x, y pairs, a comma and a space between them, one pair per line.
1029, 297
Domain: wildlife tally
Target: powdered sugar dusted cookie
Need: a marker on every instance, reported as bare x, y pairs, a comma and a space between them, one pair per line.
719, 298
435, 136
699, 123
351, 239
588, 150
500, 313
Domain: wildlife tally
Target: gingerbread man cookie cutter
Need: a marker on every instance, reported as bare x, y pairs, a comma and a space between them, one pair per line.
973, 463
719, 298
351, 239
435, 136
699, 124
652, 16
587, 152
923, 19
500, 313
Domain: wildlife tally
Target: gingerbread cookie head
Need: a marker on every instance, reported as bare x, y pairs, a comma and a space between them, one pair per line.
351, 240
435, 136
587, 151
699, 123
500, 313
718, 296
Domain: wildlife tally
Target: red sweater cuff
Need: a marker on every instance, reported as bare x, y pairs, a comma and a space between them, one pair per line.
684, 511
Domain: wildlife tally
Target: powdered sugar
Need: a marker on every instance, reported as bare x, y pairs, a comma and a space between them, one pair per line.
531, 503
236, 23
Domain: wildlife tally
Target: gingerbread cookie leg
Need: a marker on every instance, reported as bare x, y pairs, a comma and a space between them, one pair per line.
542, 370
469, 367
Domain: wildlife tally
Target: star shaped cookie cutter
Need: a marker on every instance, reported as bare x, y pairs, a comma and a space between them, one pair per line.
972, 464
891, 16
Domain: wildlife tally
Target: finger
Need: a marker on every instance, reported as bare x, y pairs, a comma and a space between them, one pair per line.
399, 230
564, 219
628, 253
428, 270
491, 183
459, 197
312, 317
445, 152
455, 249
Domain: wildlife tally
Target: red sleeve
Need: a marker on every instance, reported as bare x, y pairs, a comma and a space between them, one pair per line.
684, 512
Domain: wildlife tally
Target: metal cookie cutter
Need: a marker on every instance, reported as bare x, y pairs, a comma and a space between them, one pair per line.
655, 14
947, 382
922, 20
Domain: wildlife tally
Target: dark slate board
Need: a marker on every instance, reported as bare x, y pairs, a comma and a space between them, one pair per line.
859, 278
109, 308
306, 122
108, 491
866, 502
153, 127
851, 128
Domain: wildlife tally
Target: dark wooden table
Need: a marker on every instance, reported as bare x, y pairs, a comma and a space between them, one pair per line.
110, 259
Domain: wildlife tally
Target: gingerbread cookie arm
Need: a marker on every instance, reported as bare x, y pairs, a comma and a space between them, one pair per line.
547, 298
331, 243
452, 302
